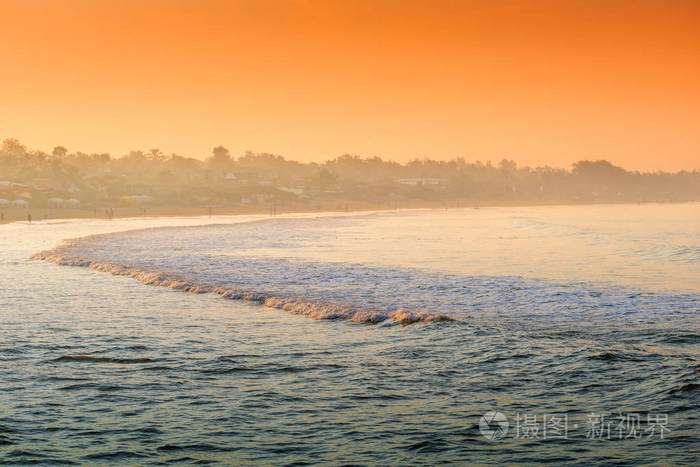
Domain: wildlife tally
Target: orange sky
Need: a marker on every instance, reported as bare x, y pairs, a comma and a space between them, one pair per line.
537, 81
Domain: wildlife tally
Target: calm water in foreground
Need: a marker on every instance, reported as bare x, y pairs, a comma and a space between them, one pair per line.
561, 315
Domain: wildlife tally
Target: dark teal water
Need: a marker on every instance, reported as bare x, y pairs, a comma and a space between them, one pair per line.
100, 369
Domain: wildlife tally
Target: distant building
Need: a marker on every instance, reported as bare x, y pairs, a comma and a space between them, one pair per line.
48, 184
55, 202
419, 181
18, 189
136, 199
297, 191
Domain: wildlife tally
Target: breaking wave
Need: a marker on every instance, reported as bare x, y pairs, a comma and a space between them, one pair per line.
409, 267
296, 305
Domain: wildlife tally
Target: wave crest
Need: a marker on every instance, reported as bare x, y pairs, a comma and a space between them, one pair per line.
316, 309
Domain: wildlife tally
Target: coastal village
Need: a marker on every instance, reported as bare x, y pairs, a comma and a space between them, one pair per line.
149, 182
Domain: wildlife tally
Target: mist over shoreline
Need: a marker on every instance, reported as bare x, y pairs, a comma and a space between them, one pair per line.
152, 180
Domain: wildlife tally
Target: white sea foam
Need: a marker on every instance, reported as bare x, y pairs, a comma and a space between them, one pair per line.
408, 267
296, 305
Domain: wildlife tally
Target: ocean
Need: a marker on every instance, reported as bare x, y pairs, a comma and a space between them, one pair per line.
565, 334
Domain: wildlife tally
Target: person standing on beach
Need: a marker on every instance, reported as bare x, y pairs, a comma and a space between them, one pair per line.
29, 218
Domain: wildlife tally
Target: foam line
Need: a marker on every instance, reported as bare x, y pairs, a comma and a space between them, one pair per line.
316, 309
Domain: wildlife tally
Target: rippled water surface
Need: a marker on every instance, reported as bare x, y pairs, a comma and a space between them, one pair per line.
557, 310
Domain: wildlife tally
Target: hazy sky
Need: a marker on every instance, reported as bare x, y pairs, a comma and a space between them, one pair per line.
536, 81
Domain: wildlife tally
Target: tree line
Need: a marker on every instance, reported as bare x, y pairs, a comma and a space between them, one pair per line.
265, 178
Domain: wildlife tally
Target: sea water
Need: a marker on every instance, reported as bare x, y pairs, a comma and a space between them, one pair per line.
425, 322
